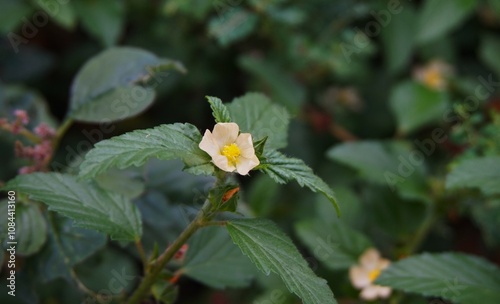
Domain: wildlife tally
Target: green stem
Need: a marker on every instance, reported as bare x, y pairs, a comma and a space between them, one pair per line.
61, 131
213, 223
422, 232
168, 254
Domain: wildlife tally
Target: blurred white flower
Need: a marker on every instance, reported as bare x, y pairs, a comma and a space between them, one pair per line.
230, 151
366, 272
434, 75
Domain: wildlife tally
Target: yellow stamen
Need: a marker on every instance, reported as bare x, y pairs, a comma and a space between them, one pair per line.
433, 79
231, 152
373, 275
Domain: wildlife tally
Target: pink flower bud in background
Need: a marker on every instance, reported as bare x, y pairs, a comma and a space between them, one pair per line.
22, 116
45, 131
26, 170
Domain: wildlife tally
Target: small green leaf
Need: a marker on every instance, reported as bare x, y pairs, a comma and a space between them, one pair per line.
219, 110
215, 261
272, 250
106, 88
90, 206
62, 12
176, 141
438, 17
415, 105
102, 19
255, 113
66, 246
232, 26
453, 276
337, 246
483, 173
283, 169
31, 228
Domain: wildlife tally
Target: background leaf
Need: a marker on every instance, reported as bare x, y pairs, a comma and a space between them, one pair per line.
283, 169
232, 26
176, 141
337, 246
255, 113
105, 88
102, 19
415, 105
90, 206
66, 246
62, 12
438, 17
271, 250
483, 173
488, 52
453, 276
31, 228
215, 261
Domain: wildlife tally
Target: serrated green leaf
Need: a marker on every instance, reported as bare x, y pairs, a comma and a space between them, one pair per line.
438, 17
219, 110
66, 246
31, 228
215, 261
281, 87
106, 89
283, 169
272, 251
102, 19
415, 105
90, 206
175, 141
483, 173
337, 246
256, 114
453, 276
232, 26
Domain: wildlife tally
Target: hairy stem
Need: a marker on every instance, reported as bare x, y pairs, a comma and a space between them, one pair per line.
155, 269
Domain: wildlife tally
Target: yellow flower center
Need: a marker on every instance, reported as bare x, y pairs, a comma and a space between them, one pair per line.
433, 79
373, 275
231, 152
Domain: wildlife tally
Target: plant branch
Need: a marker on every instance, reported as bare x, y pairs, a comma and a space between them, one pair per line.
169, 253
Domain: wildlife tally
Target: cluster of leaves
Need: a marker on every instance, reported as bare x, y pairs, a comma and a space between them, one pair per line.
426, 169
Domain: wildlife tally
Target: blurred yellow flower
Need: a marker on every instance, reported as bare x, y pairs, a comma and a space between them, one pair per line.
366, 272
434, 75
230, 151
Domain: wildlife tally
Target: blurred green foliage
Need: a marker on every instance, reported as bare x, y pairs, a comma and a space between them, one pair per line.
394, 103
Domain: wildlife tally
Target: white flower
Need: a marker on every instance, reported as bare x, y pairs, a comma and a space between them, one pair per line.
434, 75
230, 151
369, 268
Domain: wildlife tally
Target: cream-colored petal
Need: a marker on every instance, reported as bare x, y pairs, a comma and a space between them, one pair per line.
244, 142
383, 291
225, 133
370, 258
244, 164
359, 277
209, 144
369, 293
223, 164
383, 264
